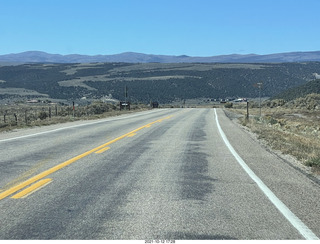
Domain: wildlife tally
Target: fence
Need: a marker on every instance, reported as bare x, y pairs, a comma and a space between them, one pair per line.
39, 114
22, 114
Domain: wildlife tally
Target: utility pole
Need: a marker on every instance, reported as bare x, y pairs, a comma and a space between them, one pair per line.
259, 86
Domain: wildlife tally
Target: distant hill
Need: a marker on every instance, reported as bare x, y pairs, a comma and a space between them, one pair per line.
164, 82
132, 57
300, 91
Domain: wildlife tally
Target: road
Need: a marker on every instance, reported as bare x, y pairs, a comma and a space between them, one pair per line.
166, 174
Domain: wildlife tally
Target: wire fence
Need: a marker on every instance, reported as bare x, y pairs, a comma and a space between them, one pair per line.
22, 114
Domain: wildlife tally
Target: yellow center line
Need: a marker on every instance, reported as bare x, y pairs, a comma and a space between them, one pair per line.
26, 175
70, 161
36, 186
103, 150
132, 134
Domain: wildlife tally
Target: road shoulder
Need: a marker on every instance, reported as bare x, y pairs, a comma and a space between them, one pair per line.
298, 191
288, 159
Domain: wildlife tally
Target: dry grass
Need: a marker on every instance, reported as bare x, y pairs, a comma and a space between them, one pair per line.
294, 132
30, 115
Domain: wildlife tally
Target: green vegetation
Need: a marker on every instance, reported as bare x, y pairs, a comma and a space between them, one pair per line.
314, 162
152, 81
43, 115
307, 102
300, 91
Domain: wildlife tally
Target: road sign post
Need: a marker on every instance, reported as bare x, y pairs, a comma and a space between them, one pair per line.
247, 117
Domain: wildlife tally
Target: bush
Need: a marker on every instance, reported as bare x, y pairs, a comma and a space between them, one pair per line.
228, 105
43, 115
314, 162
98, 108
275, 103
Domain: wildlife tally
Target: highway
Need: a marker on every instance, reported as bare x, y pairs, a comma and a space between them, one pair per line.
166, 174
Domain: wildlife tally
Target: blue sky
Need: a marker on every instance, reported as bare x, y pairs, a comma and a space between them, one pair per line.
170, 27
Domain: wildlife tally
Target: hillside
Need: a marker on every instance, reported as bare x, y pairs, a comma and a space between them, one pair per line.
150, 81
300, 91
132, 57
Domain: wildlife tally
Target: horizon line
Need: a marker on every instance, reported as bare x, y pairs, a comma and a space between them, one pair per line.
127, 52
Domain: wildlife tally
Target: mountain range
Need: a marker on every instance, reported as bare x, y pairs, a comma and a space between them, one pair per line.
132, 57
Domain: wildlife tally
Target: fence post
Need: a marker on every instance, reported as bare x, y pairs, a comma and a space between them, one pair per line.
73, 108
4, 116
16, 118
25, 116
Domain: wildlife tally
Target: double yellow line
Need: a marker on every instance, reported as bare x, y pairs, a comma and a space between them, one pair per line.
40, 182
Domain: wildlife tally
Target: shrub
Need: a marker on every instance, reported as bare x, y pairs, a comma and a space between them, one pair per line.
43, 115
314, 162
228, 105
98, 108
274, 103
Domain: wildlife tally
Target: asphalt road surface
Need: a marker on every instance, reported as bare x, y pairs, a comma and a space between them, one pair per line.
166, 174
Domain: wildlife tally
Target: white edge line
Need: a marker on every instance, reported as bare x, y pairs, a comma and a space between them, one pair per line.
75, 126
291, 217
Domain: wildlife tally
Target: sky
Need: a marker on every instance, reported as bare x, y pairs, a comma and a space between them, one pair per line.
167, 27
